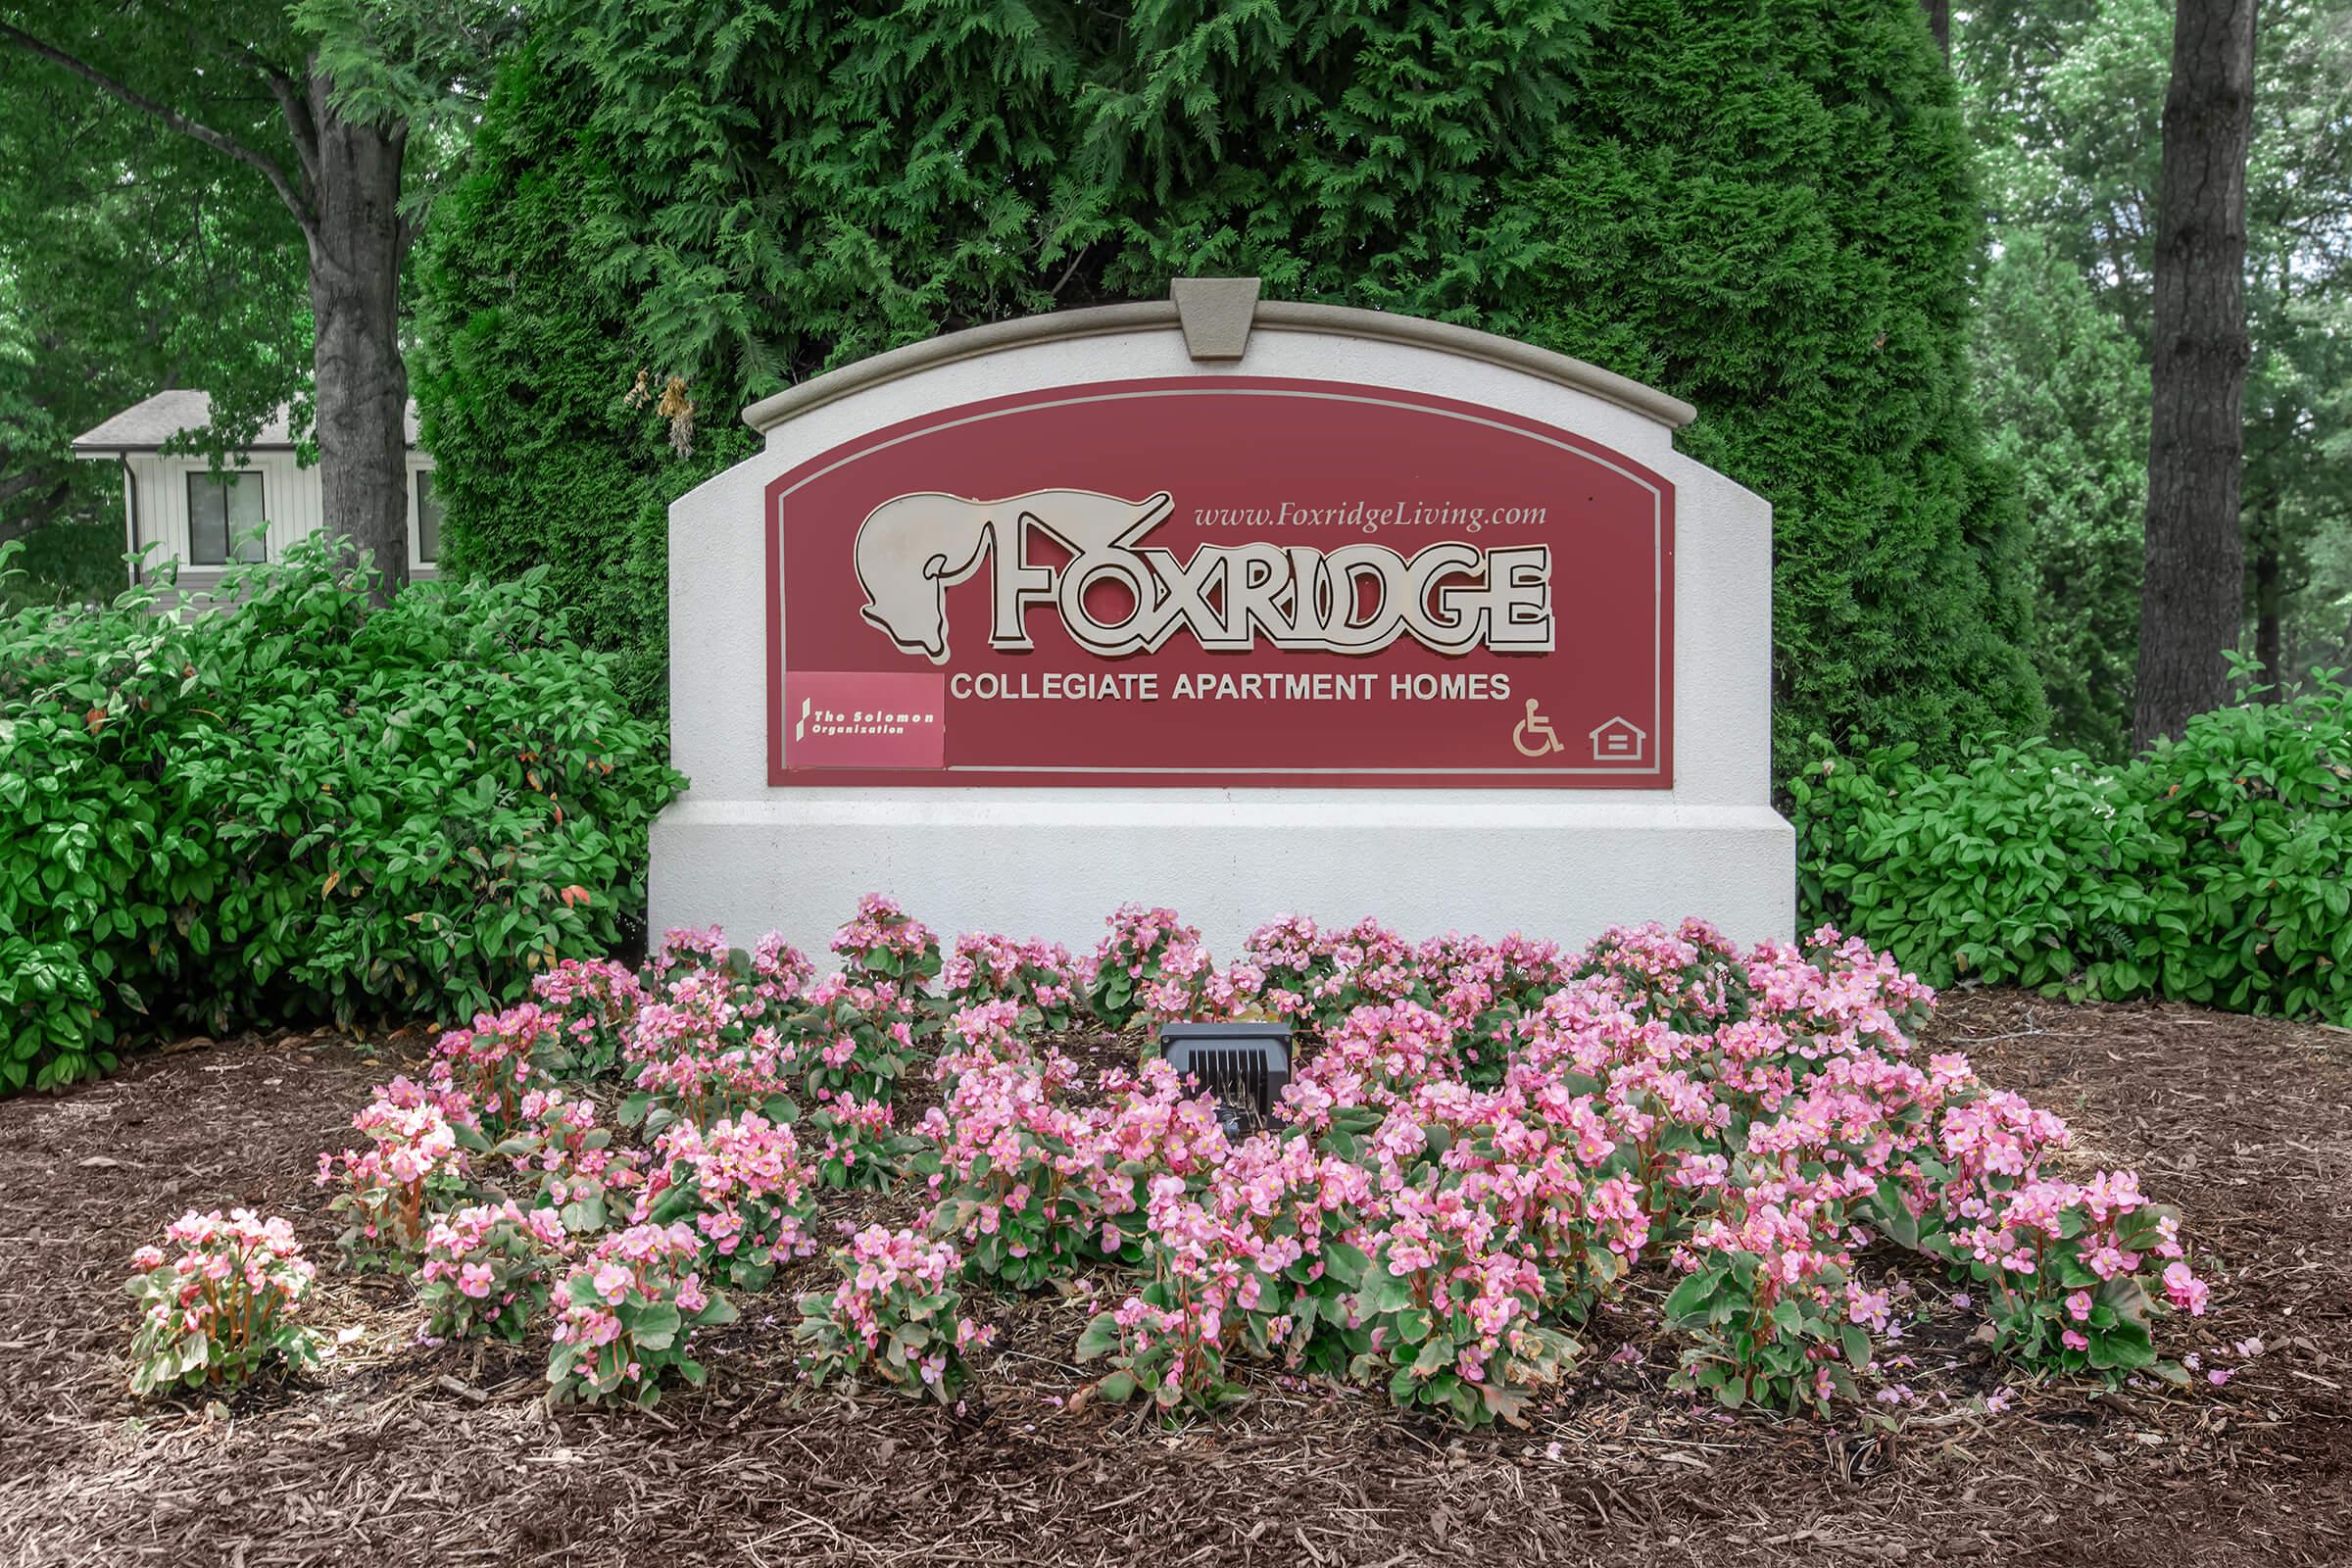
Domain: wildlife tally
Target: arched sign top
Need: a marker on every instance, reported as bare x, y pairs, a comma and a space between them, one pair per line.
1259, 315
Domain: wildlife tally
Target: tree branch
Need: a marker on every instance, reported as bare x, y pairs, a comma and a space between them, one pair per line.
17, 485
227, 145
301, 127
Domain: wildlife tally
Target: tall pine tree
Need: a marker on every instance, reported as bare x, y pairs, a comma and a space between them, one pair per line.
2192, 582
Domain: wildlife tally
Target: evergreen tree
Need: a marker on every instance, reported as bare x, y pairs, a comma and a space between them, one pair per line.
2192, 582
2064, 395
1767, 209
675, 206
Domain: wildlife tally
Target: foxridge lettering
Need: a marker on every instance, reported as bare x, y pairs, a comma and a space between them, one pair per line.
1358, 598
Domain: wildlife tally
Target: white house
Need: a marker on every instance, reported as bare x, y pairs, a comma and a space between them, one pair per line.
260, 502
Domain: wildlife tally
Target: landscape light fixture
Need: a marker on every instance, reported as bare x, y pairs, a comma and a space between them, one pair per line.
1245, 1064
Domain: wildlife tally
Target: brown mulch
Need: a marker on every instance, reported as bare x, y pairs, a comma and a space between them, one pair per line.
395, 1452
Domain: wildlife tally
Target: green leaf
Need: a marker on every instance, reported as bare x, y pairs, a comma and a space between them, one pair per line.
1100, 1338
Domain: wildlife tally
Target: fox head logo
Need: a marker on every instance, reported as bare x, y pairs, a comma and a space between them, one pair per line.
913, 548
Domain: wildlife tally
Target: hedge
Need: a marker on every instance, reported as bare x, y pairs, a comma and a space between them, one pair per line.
2216, 868
305, 808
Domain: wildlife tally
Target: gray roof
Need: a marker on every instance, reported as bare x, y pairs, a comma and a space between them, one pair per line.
145, 426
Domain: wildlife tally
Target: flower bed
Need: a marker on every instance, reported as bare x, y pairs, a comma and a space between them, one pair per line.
1485, 1143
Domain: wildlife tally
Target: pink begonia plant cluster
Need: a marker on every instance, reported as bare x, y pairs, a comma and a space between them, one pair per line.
861, 1039
626, 1312
591, 1001
486, 1270
220, 1299
1481, 1144
706, 1047
858, 1143
895, 1315
1033, 1184
1747, 1119
881, 942
563, 1156
494, 1063
745, 1188
1036, 977
392, 1188
1150, 961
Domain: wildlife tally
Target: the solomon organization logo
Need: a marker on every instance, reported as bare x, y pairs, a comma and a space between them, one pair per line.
1358, 598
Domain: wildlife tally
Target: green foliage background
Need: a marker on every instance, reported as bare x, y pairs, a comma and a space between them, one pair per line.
2066, 98
130, 261
1763, 207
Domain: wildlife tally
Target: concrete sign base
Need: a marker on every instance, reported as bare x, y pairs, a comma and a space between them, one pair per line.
1242, 608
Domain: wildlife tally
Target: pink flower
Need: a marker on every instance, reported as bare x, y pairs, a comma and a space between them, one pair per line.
2185, 1290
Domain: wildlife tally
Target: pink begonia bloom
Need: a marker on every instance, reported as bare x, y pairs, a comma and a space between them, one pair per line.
2075, 1341
2185, 1290
613, 1283
2219, 1376
474, 1279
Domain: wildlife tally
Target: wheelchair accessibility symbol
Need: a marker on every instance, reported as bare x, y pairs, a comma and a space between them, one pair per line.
1534, 736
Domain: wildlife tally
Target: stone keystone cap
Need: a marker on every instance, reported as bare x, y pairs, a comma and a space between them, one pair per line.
1215, 315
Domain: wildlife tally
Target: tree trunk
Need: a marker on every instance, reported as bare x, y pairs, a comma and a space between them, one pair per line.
2193, 588
362, 386
1940, 24
2270, 604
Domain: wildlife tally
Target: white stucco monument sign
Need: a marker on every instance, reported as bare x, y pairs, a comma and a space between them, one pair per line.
1235, 606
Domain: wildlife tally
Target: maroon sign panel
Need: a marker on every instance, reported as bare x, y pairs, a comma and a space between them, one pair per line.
1222, 581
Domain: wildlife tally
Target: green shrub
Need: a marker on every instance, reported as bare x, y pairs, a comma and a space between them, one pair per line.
306, 807
2216, 869
73, 561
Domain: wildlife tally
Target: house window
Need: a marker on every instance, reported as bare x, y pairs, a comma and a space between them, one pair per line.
224, 515
428, 518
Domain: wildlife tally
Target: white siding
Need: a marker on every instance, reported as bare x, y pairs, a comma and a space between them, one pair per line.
290, 501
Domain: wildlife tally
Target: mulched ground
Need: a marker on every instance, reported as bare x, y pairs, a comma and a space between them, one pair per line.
393, 1452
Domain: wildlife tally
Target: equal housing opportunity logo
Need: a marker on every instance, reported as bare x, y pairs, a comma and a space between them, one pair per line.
1357, 598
